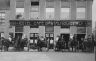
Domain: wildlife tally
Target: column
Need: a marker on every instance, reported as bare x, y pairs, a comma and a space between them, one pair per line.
7, 24
12, 9
42, 6
89, 30
27, 31
56, 32
57, 9
73, 10
42, 31
27, 7
89, 10
73, 30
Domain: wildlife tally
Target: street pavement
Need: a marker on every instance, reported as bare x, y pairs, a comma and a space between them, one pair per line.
33, 55
46, 56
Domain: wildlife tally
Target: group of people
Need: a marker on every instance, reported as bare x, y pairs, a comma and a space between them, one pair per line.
44, 42
75, 45
17, 43
60, 44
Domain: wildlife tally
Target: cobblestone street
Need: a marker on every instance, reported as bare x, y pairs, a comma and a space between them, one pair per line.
46, 56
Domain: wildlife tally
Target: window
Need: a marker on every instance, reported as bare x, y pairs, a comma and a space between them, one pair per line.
2, 17
80, 13
35, 3
19, 9
34, 12
49, 13
19, 13
65, 13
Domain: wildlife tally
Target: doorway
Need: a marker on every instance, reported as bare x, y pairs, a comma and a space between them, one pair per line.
50, 38
18, 35
65, 36
33, 38
79, 36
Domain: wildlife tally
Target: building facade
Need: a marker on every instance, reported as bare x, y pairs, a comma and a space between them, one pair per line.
47, 18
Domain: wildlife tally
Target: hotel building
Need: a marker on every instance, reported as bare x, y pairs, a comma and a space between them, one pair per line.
47, 18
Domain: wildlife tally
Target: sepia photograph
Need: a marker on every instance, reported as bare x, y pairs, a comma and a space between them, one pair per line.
47, 30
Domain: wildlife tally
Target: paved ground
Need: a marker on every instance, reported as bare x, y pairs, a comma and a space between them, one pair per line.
33, 55
46, 56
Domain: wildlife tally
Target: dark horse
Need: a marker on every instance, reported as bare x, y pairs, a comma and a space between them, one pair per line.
20, 43
41, 44
5, 43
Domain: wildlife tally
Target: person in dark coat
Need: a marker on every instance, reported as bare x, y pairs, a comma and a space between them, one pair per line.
5, 43
39, 46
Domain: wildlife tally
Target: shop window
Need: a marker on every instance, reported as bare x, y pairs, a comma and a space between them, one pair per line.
81, 30
50, 13
65, 13
80, 13
19, 29
19, 13
49, 29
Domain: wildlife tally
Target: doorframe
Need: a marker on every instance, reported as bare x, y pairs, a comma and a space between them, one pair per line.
18, 32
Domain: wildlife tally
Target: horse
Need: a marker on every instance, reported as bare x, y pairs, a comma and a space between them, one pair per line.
23, 43
73, 44
5, 43
41, 44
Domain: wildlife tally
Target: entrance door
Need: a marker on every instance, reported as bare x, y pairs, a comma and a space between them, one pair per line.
65, 36
18, 35
50, 38
33, 38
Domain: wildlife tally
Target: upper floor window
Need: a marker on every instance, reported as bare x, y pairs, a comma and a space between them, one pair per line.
50, 13
19, 9
65, 13
2, 16
34, 12
19, 13
34, 3
80, 13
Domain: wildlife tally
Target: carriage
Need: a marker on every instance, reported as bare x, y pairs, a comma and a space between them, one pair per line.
38, 43
4, 44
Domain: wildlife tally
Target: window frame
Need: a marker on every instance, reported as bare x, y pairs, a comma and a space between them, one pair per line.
18, 12
82, 13
2, 17
62, 13
51, 12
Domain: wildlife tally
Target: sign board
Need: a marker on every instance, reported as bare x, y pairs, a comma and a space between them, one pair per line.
82, 23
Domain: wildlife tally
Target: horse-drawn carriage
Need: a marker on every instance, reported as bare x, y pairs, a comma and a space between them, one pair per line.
19, 43
4, 44
39, 43
75, 45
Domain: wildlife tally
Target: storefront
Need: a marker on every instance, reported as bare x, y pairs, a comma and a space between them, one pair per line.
51, 29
